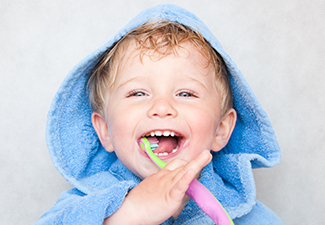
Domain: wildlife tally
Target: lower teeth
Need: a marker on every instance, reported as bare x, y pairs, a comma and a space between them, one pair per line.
165, 153
162, 153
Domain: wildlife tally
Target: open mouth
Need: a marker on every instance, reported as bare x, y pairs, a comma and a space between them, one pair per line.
164, 143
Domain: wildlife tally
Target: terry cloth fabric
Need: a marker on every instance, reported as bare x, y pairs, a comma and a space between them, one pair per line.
101, 181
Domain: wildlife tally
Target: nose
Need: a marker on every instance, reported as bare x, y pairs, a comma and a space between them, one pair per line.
162, 108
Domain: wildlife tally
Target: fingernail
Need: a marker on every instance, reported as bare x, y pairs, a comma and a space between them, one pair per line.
205, 152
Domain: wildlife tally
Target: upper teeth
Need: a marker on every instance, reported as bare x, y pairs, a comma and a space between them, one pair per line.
165, 133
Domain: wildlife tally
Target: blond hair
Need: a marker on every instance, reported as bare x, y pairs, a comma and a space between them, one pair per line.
157, 36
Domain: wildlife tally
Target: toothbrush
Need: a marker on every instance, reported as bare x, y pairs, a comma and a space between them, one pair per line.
196, 191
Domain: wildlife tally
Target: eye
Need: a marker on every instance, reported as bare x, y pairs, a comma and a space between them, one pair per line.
136, 93
187, 94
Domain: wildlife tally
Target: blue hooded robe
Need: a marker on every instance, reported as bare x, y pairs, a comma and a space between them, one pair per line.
101, 181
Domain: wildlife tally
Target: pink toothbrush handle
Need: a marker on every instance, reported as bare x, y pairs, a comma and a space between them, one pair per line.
208, 203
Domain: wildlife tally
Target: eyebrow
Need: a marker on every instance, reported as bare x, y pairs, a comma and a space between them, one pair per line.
127, 81
134, 78
197, 81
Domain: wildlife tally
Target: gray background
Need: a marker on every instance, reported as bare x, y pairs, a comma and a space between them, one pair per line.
278, 45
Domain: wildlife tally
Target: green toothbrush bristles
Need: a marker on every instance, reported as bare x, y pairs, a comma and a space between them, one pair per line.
154, 146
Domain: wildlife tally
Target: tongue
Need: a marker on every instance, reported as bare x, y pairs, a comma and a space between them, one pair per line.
166, 144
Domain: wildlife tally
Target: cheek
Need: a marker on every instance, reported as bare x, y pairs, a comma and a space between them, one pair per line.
206, 129
119, 118
121, 124
205, 124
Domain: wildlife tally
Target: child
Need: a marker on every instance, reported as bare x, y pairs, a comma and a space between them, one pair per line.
167, 78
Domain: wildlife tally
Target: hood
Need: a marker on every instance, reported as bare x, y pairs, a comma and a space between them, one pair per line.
78, 155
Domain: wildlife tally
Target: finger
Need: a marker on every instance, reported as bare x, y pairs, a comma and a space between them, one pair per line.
199, 162
180, 167
176, 163
178, 191
195, 165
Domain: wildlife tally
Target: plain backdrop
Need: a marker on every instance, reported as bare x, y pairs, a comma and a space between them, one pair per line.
278, 45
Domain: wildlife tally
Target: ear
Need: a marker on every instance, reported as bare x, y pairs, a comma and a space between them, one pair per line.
101, 129
225, 130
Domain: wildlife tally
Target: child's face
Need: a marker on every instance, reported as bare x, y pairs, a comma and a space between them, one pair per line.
175, 94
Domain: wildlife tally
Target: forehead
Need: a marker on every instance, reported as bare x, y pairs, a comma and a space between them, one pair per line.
132, 53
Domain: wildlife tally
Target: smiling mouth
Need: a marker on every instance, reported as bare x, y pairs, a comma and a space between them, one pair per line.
164, 143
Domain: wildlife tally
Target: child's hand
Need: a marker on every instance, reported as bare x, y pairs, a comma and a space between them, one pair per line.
160, 195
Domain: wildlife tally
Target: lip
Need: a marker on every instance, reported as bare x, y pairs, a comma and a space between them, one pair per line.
181, 144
